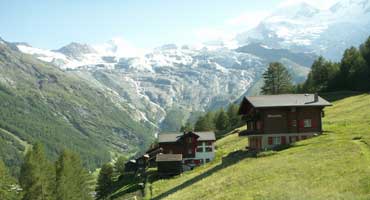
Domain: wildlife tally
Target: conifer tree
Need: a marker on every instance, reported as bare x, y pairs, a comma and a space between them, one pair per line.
105, 181
37, 176
234, 117
187, 127
205, 123
6, 183
73, 182
222, 121
119, 165
277, 80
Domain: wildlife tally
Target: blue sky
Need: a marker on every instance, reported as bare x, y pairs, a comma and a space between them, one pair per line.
144, 23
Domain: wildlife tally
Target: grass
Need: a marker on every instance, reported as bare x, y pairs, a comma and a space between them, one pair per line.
331, 166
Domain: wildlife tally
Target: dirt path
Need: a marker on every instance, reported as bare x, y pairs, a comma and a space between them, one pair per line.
26, 145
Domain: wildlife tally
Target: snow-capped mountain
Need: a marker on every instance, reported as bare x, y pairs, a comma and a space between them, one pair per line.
171, 78
304, 28
182, 79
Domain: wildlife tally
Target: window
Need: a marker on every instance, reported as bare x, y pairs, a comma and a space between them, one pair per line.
307, 123
190, 151
293, 109
208, 149
276, 140
209, 143
200, 149
294, 123
189, 140
208, 160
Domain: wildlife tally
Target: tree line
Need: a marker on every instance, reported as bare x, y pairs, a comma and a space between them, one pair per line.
65, 179
220, 121
351, 73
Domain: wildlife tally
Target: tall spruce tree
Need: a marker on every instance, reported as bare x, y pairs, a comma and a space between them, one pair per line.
205, 123
222, 121
320, 76
234, 117
277, 80
353, 70
105, 181
7, 184
119, 165
37, 176
73, 182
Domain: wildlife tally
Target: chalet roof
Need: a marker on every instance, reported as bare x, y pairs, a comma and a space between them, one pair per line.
168, 157
173, 137
286, 100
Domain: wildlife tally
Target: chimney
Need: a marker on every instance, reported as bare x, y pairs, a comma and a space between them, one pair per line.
316, 98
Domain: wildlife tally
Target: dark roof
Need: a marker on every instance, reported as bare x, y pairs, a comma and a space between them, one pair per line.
286, 100
173, 137
168, 157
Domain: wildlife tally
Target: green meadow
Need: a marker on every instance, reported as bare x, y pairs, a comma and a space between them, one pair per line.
335, 165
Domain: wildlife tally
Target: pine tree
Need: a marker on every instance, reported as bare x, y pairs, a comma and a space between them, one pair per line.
73, 182
186, 128
277, 80
234, 117
322, 72
105, 181
37, 176
205, 123
353, 70
6, 182
222, 121
119, 165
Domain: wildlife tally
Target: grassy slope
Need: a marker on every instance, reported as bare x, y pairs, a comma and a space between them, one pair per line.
332, 166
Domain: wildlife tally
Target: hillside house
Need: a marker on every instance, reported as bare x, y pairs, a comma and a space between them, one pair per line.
274, 120
196, 148
169, 164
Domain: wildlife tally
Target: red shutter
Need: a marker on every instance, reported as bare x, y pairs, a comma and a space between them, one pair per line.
314, 123
270, 140
301, 123
283, 140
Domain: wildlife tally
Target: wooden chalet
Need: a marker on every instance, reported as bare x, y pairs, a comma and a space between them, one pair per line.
274, 120
196, 148
169, 164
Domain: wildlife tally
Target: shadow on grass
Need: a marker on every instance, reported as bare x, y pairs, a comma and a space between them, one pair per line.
127, 180
230, 159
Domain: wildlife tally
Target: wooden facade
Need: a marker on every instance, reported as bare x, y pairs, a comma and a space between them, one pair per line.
271, 123
196, 148
169, 164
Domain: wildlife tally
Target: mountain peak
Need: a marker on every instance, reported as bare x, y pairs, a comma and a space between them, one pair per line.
298, 9
75, 49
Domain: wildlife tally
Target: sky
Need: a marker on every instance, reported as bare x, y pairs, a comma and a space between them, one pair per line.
142, 23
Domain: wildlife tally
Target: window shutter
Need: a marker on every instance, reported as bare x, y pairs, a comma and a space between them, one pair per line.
270, 140
301, 123
314, 123
283, 140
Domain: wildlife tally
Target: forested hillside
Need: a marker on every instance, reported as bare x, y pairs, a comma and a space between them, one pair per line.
39, 102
